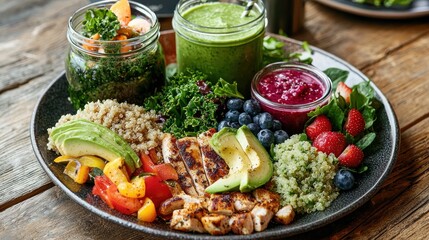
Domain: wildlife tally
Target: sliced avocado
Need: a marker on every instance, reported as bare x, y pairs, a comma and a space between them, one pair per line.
226, 145
93, 135
261, 169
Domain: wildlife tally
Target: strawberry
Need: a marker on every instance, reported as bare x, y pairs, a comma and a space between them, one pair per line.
320, 124
344, 91
330, 142
355, 123
351, 157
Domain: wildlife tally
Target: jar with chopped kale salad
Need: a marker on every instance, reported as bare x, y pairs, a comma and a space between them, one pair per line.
114, 53
216, 38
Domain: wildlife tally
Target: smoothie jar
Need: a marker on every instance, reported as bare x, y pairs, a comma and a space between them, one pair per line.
289, 91
128, 69
213, 37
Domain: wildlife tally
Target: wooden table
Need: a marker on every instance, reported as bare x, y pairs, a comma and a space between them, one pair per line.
394, 54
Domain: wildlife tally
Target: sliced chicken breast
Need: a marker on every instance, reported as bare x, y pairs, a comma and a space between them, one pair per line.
220, 204
216, 224
241, 223
261, 216
185, 221
171, 155
214, 166
285, 215
189, 150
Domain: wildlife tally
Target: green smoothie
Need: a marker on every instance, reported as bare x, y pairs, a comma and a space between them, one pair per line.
214, 39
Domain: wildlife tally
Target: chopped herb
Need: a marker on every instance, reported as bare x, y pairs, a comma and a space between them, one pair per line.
274, 52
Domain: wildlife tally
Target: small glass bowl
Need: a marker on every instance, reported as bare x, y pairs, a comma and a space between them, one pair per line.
292, 116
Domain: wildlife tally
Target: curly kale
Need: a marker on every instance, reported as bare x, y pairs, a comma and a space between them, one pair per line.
101, 21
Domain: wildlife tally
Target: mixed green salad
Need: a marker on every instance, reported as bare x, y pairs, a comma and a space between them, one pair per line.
385, 3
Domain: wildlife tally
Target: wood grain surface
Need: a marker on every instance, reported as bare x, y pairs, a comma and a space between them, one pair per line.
394, 54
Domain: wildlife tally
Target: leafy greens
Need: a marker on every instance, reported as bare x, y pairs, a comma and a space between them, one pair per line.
101, 21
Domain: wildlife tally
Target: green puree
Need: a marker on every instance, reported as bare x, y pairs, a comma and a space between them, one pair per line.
224, 45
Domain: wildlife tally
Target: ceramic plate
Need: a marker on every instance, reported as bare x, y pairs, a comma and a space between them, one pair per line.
418, 8
53, 103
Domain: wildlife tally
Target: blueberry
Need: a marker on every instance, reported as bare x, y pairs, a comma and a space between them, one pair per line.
235, 125
223, 124
280, 136
277, 125
266, 121
266, 137
256, 118
244, 118
234, 104
232, 116
344, 179
254, 128
252, 107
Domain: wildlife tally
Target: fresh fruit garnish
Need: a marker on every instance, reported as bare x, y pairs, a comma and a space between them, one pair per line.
351, 157
320, 124
330, 142
344, 179
344, 91
355, 123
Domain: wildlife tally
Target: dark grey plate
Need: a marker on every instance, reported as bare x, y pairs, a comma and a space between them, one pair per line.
418, 8
380, 160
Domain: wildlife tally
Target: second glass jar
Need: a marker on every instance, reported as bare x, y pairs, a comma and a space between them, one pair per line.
214, 38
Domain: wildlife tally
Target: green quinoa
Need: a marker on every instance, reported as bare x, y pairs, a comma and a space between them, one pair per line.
303, 176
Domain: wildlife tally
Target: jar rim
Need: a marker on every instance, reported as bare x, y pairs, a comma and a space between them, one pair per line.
320, 75
77, 38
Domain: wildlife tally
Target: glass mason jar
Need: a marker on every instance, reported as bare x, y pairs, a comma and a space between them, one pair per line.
221, 45
126, 70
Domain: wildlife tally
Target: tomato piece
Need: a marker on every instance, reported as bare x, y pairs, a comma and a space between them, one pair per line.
123, 204
153, 156
101, 184
166, 172
147, 163
157, 190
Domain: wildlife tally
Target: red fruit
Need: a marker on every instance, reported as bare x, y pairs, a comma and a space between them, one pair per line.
330, 142
320, 124
351, 157
355, 123
344, 91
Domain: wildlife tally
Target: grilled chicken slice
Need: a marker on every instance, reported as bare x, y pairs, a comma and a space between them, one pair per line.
270, 199
285, 215
214, 166
185, 221
243, 202
261, 216
178, 202
189, 150
241, 223
171, 155
221, 204
216, 224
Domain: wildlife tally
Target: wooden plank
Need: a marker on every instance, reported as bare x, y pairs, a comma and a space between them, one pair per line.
35, 60
358, 40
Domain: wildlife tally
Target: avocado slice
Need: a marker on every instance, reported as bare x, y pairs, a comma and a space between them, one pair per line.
261, 169
82, 136
104, 133
226, 145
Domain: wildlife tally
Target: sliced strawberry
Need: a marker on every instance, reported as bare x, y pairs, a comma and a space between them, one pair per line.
355, 123
330, 142
320, 124
351, 157
344, 91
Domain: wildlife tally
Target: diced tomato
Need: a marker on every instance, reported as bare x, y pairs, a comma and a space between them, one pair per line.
101, 184
157, 190
166, 172
147, 163
153, 156
123, 204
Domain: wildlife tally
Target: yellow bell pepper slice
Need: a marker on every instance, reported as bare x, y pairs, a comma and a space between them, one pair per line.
134, 189
147, 213
77, 171
64, 158
92, 161
114, 171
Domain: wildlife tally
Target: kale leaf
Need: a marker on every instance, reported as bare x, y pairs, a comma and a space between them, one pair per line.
101, 21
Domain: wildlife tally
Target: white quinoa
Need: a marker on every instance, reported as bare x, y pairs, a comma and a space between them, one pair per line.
304, 176
133, 123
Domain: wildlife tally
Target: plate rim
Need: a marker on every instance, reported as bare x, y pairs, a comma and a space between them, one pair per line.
284, 232
383, 13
